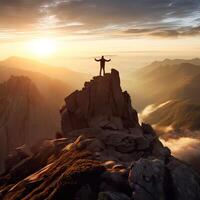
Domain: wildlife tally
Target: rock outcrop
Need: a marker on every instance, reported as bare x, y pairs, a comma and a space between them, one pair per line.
25, 117
155, 179
116, 160
101, 103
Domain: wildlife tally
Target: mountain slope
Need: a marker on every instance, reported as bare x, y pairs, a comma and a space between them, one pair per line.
168, 81
164, 83
48, 87
25, 116
176, 114
52, 84
168, 62
52, 89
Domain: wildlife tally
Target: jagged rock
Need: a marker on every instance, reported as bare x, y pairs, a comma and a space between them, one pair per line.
103, 115
155, 179
117, 145
114, 180
118, 167
16, 156
147, 129
101, 103
27, 165
109, 164
146, 178
70, 173
121, 142
185, 181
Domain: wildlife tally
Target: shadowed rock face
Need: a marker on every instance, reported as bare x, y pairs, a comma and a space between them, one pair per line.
156, 180
25, 117
101, 103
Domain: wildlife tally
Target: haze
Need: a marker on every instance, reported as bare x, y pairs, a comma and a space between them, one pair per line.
70, 33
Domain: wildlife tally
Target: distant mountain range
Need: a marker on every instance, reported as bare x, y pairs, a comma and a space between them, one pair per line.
31, 95
71, 78
176, 81
52, 82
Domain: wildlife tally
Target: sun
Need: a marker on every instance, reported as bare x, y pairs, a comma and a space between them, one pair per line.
42, 47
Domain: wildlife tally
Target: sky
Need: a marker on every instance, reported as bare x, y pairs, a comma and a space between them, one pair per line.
71, 33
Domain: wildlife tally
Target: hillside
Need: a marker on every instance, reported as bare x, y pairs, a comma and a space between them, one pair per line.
164, 83
175, 114
25, 115
168, 81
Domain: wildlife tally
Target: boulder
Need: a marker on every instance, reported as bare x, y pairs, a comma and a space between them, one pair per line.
184, 177
146, 178
155, 179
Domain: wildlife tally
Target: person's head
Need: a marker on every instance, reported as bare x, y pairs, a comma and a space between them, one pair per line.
102, 56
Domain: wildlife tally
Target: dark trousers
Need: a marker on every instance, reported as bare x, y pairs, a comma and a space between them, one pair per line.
102, 68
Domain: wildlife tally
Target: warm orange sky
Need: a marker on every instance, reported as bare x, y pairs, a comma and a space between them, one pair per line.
71, 32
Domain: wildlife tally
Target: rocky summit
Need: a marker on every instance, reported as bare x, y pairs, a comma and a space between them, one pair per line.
105, 155
101, 103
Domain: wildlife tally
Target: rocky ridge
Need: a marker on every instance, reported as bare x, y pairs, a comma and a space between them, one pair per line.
109, 156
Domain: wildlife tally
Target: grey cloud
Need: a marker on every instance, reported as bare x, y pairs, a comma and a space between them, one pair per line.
136, 16
97, 13
17, 14
163, 32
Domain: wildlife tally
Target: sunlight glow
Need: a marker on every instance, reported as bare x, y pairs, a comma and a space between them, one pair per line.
42, 47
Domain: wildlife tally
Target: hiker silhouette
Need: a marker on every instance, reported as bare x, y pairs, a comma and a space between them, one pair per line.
102, 64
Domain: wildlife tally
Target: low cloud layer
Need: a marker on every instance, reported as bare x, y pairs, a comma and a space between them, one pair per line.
161, 18
186, 149
150, 109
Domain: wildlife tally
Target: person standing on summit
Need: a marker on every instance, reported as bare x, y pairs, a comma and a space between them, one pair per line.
102, 64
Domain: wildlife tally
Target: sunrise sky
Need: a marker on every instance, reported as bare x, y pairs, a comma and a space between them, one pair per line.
71, 32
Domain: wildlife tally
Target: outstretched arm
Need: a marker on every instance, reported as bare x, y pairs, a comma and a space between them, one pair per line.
97, 60
108, 60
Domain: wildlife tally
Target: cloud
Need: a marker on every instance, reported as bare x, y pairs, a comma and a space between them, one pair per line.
150, 109
186, 149
184, 144
163, 18
19, 13
163, 32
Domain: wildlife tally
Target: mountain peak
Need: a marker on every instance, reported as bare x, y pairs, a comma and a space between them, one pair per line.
25, 117
20, 86
100, 103
167, 61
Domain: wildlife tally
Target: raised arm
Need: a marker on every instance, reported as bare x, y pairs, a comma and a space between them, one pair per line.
97, 60
108, 60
